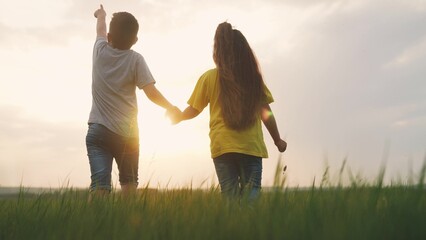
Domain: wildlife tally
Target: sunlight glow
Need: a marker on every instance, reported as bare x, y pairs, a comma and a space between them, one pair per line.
328, 95
266, 114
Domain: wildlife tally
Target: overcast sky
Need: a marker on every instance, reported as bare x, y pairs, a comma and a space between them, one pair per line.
348, 78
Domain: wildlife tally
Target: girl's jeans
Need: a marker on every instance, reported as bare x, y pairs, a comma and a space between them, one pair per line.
239, 175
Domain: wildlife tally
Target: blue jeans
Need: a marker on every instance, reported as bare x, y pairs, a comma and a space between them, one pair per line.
239, 175
103, 146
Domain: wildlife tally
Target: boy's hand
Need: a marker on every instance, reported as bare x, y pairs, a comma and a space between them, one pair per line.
100, 13
175, 115
281, 145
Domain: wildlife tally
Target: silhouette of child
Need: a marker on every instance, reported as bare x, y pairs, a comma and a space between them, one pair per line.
113, 127
239, 102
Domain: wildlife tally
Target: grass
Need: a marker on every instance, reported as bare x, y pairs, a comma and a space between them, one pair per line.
357, 211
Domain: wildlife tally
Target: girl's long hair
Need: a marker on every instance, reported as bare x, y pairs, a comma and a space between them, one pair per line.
241, 83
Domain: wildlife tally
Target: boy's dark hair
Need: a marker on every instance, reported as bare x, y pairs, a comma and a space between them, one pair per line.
123, 30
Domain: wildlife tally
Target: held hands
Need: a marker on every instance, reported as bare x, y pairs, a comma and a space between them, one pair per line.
100, 13
281, 145
174, 114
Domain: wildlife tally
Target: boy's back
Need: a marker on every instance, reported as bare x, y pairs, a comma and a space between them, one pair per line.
115, 75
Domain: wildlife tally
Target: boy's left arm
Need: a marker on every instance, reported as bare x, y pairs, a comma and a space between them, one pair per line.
101, 29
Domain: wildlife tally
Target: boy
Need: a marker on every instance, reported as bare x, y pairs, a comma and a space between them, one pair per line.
113, 128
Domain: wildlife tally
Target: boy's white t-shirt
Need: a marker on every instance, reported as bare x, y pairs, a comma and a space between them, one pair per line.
115, 75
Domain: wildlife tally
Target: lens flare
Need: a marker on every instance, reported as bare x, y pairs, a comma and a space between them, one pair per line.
266, 114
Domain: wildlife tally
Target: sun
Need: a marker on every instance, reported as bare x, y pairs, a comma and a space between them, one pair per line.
158, 134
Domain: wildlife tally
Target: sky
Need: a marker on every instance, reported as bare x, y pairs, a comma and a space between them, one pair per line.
348, 79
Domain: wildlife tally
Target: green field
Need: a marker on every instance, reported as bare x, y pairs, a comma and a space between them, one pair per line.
356, 211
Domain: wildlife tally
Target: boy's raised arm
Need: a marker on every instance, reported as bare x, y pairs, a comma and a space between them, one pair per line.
101, 30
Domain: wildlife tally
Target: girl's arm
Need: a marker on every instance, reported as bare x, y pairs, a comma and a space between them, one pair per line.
269, 120
189, 113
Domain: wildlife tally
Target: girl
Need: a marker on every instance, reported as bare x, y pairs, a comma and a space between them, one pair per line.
239, 101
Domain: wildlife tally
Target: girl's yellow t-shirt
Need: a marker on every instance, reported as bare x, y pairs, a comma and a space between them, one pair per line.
223, 139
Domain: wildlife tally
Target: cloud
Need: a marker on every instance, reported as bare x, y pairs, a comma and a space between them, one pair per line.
333, 92
41, 23
341, 55
409, 55
77, 20
39, 153
28, 37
